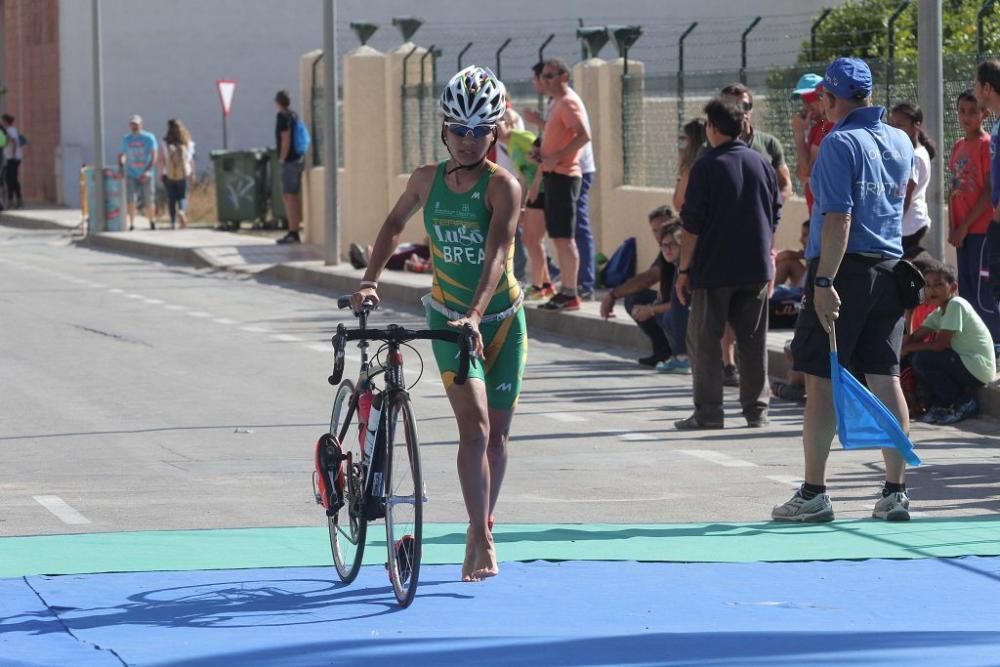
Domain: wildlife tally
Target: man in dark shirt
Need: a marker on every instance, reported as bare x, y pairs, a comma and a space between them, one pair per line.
730, 211
291, 165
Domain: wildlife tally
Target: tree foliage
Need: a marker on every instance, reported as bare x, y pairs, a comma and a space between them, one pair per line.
859, 28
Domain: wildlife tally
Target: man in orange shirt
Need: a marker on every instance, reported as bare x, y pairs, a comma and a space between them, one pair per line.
564, 135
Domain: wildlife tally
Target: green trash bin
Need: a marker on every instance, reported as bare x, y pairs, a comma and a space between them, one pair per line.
278, 217
240, 186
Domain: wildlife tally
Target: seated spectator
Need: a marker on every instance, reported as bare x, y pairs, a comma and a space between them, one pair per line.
916, 404
790, 264
639, 291
958, 359
670, 313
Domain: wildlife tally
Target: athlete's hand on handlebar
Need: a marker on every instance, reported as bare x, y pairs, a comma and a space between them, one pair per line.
478, 352
366, 297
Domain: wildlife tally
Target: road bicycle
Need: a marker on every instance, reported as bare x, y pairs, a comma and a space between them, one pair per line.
374, 473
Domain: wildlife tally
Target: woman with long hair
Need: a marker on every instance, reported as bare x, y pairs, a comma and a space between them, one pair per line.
916, 218
692, 144
176, 165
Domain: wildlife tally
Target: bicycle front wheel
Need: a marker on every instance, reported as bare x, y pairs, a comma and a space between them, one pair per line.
404, 499
347, 526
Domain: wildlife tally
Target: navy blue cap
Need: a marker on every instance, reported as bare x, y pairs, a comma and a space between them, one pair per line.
849, 78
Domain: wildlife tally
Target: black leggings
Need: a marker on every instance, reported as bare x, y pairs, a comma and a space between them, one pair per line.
11, 169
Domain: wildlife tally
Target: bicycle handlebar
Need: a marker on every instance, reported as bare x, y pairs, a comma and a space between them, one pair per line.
396, 334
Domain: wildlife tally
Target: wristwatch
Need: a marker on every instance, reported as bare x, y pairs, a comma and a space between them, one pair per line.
823, 281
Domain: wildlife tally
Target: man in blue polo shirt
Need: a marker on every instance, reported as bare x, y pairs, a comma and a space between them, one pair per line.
855, 238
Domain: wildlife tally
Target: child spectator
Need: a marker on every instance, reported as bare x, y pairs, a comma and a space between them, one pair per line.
670, 313
970, 211
958, 359
916, 219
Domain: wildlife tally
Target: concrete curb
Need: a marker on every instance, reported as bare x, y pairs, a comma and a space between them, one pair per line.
163, 253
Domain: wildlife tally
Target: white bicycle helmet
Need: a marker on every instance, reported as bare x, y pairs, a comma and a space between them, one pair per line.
473, 97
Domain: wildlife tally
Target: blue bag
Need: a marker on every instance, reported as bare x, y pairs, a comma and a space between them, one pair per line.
621, 266
300, 137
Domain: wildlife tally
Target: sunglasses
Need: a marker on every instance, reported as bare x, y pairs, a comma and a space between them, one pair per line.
476, 131
747, 106
550, 75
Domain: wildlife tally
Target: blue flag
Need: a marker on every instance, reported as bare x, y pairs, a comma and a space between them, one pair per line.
863, 422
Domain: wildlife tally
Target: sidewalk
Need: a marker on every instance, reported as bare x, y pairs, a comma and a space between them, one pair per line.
302, 266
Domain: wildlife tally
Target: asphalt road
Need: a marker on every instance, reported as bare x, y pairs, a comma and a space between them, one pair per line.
136, 395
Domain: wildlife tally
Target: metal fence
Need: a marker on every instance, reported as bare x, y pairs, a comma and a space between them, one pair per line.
653, 112
317, 126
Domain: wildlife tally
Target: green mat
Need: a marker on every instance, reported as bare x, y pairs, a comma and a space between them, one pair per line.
444, 544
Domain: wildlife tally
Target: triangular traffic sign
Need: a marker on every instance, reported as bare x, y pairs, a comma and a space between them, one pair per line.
227, 89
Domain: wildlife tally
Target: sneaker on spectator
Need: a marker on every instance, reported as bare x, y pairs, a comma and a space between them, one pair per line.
934, 414
290, 237
675, 366
817, 509
893, 507
586, 295
959, 412
562, 302
730, 378
653, 360
536, 293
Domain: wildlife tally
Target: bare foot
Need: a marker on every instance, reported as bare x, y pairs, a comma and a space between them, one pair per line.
485, 563
468, 565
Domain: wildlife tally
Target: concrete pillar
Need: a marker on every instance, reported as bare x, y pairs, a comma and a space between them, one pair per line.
366, 148
588, 82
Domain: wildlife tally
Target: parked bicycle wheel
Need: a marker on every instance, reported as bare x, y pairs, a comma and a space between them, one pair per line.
404, 500
347, 526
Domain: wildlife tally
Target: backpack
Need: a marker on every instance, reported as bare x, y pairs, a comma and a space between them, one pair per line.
22, 140
300, 136
176, 162
621, 266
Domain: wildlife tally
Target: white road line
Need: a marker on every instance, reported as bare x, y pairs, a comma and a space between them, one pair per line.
115, 290
718, 457
197, 313
319, 347
286, 338
564, 417
636, 437
154, 302
61, 510
254, 329
135, 296
224, 320
784, 479
174, 307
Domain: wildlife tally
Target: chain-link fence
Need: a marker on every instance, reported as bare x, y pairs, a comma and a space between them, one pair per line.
653, 112
317, 126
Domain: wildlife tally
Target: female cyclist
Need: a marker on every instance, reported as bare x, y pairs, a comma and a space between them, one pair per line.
470, 210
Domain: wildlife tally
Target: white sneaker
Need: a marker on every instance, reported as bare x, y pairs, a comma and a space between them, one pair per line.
893, 507
817, 509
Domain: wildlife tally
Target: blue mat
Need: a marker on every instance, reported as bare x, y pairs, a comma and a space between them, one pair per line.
569, 613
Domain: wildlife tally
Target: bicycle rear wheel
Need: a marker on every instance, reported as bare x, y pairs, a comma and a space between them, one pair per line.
347, 526
404, 497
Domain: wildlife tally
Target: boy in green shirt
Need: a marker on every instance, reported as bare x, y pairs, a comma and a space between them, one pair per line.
958, 359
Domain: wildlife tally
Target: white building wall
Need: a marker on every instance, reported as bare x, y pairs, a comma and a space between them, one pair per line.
162, 57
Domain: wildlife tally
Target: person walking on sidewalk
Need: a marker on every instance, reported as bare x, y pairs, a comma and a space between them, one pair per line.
586, 277
13, 154
137, 159
565, 134
292, 163
176, 164
859, 183
731, 208
470, 208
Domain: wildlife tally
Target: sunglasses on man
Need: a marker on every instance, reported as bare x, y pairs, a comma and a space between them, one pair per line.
476, 131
